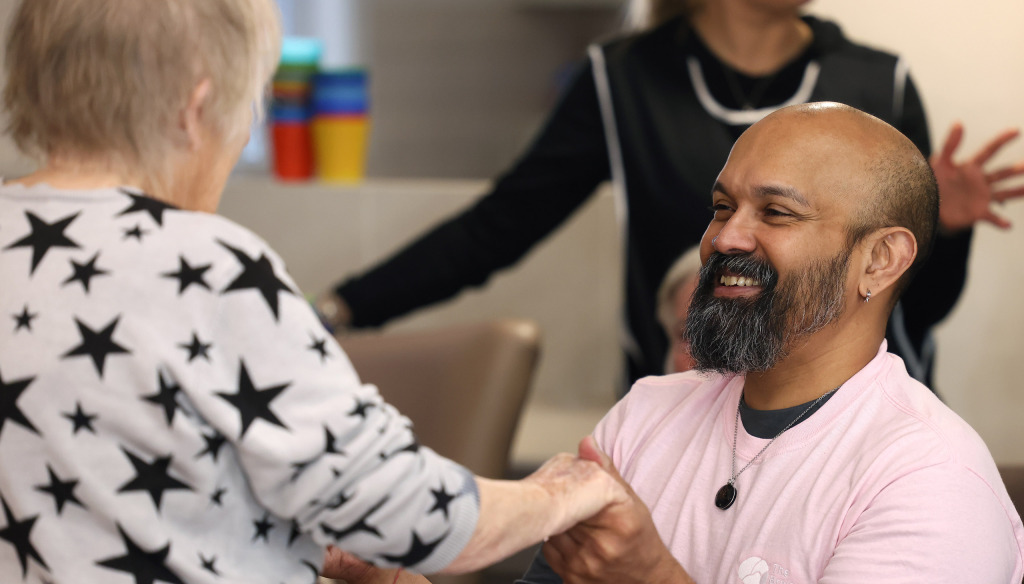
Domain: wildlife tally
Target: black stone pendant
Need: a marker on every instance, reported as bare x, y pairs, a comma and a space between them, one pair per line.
725, 497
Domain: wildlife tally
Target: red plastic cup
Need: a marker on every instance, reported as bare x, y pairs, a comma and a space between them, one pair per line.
293, 151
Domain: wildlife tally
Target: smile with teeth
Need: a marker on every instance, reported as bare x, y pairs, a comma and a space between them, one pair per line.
738, 281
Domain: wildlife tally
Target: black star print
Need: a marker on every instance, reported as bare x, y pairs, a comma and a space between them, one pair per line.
359, 525
257, 274
418, 551
320, 346
9, 410
146, 567
196, 348
80, 419
361, 408
209, 564
151, 477
300, 467
294, 533
337, 501
97, 345
442, 498
166, 397
18, 534
330, 445
137, 232
62, 491
187, 275
413, 447
154, 207
263, 527
84, 273
43, 237
213, 444
253, 403
314, 568
217, 496
24, 320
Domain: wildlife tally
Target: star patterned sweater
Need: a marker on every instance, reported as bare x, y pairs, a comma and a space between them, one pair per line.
171, 410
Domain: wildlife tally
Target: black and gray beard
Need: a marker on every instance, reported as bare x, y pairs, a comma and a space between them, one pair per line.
738, 335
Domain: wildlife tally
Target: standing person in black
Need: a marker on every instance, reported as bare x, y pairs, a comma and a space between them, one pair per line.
657, 111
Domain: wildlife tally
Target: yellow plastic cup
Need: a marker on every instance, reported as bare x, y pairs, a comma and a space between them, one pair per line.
339, 146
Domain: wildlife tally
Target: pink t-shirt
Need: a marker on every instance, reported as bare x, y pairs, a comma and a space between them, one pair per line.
883, 484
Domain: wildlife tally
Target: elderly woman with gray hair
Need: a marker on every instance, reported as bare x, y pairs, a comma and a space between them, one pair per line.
171, 410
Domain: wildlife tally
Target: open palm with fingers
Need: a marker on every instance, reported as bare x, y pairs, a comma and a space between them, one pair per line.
966, 189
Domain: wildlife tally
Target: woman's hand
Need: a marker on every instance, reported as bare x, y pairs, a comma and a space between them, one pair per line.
966, 190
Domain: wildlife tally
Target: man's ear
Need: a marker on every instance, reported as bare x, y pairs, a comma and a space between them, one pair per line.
191, 117
891, 252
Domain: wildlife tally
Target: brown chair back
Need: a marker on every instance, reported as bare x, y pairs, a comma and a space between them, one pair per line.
463, 386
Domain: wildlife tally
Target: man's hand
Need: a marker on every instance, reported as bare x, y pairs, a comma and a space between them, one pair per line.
620, 544
341, 565
967, 191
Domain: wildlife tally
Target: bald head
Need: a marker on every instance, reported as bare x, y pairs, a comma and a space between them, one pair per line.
868, 163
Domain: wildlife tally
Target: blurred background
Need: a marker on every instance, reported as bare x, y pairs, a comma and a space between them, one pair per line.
458, 87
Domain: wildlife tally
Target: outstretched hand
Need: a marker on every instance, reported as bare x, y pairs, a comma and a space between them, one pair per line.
620, 544
966, 189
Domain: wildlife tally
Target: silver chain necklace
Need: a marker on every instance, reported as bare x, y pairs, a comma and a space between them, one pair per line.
726, 496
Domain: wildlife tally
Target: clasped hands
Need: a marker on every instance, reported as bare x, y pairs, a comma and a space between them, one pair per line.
618, 544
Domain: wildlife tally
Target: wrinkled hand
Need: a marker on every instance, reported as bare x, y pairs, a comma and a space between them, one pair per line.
968, 191
618, 545
582, 486
341, 565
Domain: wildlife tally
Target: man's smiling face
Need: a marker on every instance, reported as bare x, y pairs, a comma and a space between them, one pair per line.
777, 252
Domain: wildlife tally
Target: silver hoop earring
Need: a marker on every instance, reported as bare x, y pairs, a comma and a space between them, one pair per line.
868, 297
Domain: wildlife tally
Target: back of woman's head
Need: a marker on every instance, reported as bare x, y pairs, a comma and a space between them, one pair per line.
107, 79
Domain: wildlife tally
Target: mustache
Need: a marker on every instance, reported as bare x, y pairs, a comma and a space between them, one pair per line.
745, 265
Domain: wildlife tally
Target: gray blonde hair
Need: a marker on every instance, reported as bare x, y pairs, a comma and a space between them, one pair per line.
107, 79
687, 266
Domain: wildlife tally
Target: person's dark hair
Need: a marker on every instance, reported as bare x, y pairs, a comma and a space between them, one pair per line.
905, 195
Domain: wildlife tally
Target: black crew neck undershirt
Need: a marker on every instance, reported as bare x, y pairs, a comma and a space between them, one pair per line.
766, 424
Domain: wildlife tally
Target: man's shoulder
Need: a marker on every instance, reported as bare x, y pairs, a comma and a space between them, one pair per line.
909, 412
690, 394
679, 385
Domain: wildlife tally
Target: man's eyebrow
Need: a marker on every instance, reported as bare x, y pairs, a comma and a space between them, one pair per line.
767, 191
781, 191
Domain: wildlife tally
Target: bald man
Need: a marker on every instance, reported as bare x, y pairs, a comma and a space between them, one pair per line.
801, 451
